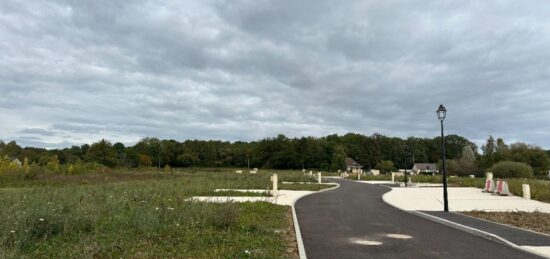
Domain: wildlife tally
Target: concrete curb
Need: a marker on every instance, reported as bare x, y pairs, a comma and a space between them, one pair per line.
299, 240
473, 231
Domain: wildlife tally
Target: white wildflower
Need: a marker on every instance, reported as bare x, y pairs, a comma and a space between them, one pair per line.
157, 208
170, 208
40, 219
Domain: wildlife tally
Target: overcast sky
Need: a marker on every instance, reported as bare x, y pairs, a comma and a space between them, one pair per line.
74, 72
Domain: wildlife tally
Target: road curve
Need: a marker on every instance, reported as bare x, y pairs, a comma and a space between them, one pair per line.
353, 222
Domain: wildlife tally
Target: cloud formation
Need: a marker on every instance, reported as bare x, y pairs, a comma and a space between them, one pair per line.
73, 72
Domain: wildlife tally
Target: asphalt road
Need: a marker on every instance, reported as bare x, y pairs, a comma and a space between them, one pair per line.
353, 222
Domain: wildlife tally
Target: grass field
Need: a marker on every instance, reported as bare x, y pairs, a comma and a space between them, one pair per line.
143, 215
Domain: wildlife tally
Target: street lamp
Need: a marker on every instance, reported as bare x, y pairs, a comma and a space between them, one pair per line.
441, 113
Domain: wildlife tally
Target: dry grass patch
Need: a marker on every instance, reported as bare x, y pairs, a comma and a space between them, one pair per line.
535, 221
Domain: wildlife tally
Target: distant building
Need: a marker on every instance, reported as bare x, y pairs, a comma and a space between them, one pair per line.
426, 168
352, 165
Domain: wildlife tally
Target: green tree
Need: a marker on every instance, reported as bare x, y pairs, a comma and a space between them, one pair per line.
188, 159
385, 166
102, 152
339, 158
466, 163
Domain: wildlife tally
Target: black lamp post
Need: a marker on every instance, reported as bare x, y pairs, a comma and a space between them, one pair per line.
441, 113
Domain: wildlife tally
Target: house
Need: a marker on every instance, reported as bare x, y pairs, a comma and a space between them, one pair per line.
427, 168
352, 165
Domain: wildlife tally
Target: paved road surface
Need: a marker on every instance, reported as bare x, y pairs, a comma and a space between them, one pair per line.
353, 222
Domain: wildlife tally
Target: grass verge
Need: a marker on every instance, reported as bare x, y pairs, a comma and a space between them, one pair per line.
535, 221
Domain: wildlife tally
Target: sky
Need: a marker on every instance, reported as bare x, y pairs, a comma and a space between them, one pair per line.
74, 72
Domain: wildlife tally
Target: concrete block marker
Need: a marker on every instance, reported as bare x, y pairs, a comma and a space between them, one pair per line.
526, 191
489, 186
319, 177
275, 180
502, 188
253, 172
393, 177
239, 171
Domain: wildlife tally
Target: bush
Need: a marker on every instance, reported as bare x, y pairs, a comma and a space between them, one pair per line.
509, 169
225, 215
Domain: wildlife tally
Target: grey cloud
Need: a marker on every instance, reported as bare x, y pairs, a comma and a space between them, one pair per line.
80, 71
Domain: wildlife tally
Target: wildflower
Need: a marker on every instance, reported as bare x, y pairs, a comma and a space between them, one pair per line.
13, 231
40, 219
170, 208
247, 252
157, 208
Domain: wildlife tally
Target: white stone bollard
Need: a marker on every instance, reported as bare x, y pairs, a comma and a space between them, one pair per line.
319, 177
526, 191
489, 175
393, 177
275, 180
358, 177
472, 176
239, 171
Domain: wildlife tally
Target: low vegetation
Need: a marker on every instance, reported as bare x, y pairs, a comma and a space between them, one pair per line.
509, 169
535, 221
143, 214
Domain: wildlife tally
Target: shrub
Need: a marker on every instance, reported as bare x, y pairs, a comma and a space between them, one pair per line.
224, 215
509, 169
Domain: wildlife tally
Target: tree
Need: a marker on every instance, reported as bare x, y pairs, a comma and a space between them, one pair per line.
385, 166
120, 152
102, 152
489, 150
339, 158
144, 161
466, 162
188, 159
532, 155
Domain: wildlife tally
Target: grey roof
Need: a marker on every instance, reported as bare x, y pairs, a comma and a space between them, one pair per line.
352, 163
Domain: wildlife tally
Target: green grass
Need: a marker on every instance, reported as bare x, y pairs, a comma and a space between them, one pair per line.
144, 215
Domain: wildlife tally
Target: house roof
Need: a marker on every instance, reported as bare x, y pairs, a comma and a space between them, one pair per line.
425, 166
352, 163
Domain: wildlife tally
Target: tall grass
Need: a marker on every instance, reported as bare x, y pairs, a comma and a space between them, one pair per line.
132, 214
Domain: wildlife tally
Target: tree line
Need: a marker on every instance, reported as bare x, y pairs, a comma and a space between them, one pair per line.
326, 153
